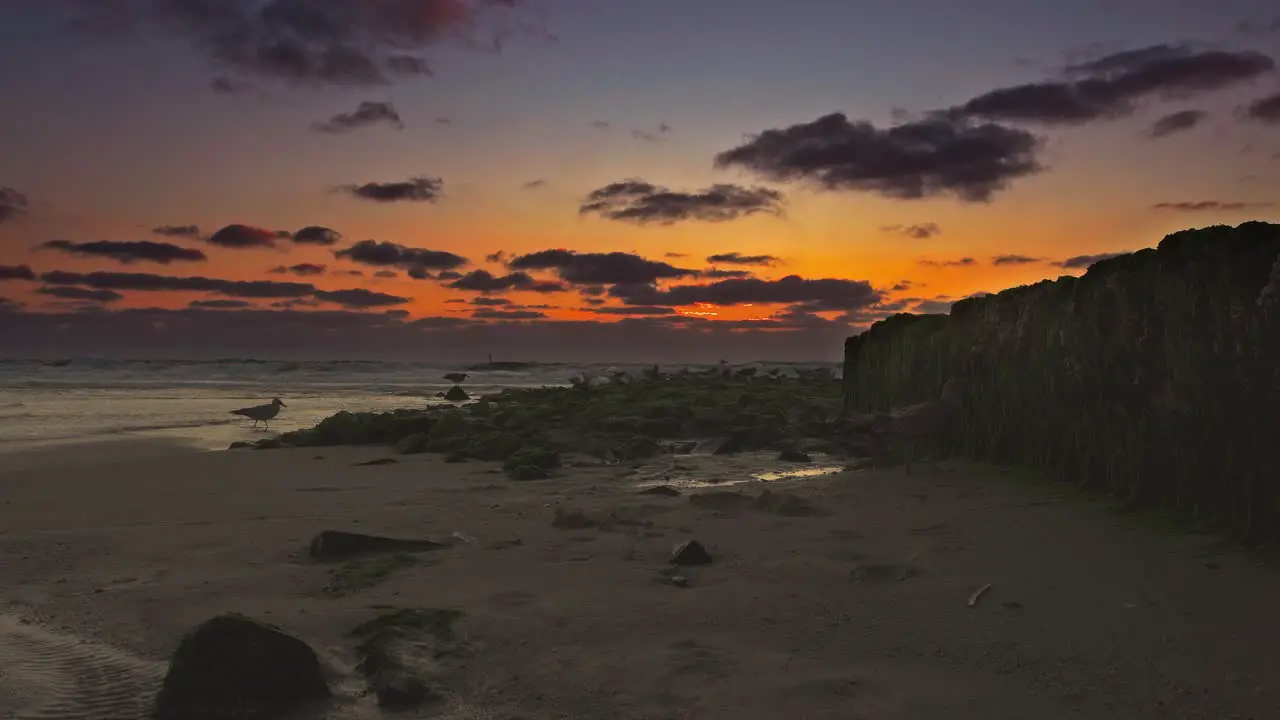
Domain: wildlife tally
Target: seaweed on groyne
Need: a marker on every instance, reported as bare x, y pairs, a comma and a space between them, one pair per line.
1152, 377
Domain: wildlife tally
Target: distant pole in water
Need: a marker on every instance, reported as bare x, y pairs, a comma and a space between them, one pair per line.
490, 358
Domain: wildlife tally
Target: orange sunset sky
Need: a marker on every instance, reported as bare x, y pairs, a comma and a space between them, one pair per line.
847, 161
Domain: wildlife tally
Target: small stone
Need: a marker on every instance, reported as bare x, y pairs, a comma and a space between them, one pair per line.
690, 552
379, 461
793, 455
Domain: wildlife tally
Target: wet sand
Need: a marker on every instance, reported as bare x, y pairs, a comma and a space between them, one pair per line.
849, 600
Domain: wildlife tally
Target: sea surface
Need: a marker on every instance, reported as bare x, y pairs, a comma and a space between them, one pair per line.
44, 404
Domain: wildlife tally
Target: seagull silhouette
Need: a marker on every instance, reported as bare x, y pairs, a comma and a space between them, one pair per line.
261, 413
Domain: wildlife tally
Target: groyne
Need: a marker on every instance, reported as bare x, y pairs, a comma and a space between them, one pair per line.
1154, 376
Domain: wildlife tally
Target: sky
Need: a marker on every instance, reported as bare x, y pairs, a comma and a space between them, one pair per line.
559, 180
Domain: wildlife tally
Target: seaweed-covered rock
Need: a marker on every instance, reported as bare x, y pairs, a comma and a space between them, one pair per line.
794, 455
456, 394
234, 668
538, 457
399, 649
413, 444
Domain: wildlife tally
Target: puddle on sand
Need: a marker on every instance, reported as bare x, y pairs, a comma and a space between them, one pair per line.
703, 471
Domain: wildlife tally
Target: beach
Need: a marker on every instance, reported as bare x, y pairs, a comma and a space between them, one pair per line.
844, 595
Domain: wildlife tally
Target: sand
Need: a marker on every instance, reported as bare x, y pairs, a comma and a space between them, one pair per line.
849, 603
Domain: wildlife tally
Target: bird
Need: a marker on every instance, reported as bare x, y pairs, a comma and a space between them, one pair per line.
456, 378
261, 413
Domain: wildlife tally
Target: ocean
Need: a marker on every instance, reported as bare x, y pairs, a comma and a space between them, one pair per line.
44, 404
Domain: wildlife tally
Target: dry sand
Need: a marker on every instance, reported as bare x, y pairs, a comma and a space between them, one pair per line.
858, 610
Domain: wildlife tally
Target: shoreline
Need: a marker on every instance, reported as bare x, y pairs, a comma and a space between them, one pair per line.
79, 452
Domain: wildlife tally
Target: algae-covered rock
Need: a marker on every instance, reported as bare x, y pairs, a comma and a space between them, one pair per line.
399, 655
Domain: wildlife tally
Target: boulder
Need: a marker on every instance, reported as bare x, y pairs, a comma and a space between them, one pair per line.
333, 545
235, 668
456, 394
794, 455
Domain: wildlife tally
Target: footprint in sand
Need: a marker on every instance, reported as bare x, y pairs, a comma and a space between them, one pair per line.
44, 676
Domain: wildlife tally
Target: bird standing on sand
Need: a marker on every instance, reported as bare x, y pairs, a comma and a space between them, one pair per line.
261, 413
456, 378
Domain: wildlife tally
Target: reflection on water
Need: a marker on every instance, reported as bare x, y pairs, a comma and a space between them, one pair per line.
807, 472
702, 471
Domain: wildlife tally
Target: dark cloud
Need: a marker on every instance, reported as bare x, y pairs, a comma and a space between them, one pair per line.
7, 305
359, 298
639, 310
444, 121
448, 275
592, 290
961, 262
13, 204
294, 333
418, 262
1112, 86
497, 257
386, 274
301, 270
336, 42
1084, 261
128, 251
642, 202
490, 301
600, 124
17, 272
187, 231
1209, 206
158, 283
366, 113
827, 294
484, 281
675, 255
84, 294
734, 258
1264, 109
485, 314
295, 303
247, 236
718, 273
349, 273
599, 268
219, 304
226, 86
534, 184
317, 235
1015, 260
1176, 122
932, 157
1252, 28
415, 189
918, 231
595, 301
